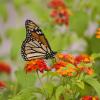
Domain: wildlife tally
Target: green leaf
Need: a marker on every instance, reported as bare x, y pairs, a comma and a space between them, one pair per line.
39, 10
79, 23
95, 55
49, 88
94, 83
59, 91
95, 7
17, 36
3, 11
69, 3
80, 84
24, 94
18, 4
94, 44
25, 80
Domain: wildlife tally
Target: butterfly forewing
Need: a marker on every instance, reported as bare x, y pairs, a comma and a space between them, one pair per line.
36, 33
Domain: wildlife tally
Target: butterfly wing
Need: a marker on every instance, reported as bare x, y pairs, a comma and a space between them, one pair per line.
35, 45
31, 49
36, 33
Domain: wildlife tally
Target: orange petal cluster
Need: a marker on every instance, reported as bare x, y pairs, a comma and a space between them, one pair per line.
66, 57
35, 65
60, 12
83, 58
66, 71
56, 3
85, 69
59, 64
68, 64
88, 70
2, 84
89, 98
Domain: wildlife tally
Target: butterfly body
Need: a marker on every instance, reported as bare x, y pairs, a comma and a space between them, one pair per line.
35, 44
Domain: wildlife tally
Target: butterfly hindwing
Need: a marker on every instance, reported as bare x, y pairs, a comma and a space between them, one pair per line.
31, 50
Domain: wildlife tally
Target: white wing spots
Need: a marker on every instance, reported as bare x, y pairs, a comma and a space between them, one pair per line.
31, 29
38, 31
36, 28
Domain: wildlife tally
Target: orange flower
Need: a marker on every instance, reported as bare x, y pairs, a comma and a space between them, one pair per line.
85, 69
2, 84
60, 12
37, 64
83, 58
59, 64
69, 58
66, 71
90, 98
30, 66
89, 71
66, 57
60, 16
4, 67
56, 3
75, 61
59, 55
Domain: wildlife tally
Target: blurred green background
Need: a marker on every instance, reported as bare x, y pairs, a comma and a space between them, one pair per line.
78, 38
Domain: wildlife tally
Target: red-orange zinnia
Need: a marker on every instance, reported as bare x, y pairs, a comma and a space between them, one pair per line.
60, 12
66, 57
56, 3
90, 98
66, 71
4, 67
37, 64
89, 71
59, 64
2, 84
83, 58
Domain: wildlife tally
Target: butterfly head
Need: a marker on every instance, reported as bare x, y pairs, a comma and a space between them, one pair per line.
50, 55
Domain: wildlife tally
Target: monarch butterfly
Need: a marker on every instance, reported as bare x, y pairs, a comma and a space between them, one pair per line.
35, 44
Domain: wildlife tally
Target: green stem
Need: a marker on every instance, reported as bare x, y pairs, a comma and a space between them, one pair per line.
47, 76
42, 84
